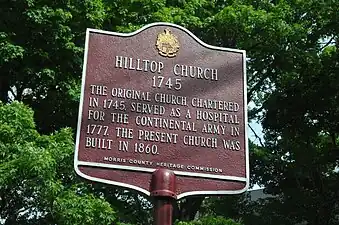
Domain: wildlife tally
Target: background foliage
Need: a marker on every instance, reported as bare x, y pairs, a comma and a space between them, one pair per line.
293, 92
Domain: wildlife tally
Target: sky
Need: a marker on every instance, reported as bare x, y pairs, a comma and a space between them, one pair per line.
258, 130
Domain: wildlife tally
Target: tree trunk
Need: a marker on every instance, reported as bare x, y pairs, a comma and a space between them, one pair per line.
187, 209
4, 88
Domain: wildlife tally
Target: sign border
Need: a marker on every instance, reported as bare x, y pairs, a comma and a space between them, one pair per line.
150, 170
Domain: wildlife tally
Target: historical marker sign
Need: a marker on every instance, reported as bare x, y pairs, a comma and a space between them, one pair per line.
161, 98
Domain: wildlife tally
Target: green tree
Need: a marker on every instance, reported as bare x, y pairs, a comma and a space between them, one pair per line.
37, 185
292, 49
299, 159
297, 94
210, 221
41, 55
301, 152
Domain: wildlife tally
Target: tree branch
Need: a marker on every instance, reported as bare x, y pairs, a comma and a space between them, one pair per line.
189, 207
256, 136
256, 86
329, 42
333, 137
253, 112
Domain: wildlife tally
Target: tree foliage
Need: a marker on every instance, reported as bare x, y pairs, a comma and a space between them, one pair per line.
210, 221
41, 55
37, 185
293, 60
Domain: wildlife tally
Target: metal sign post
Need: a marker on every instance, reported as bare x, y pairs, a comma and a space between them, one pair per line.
163, 192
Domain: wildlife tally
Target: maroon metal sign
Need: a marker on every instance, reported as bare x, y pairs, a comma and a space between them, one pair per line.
160, 98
